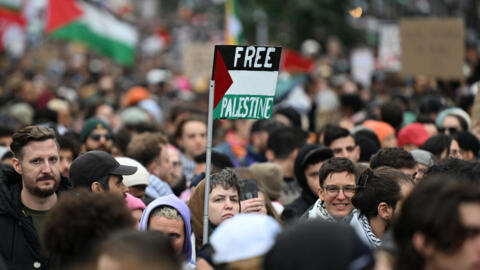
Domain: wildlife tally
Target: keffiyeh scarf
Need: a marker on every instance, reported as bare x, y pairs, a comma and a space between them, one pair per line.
319, 211
364, 230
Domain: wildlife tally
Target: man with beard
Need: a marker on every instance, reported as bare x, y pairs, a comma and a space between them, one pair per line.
27, 192
96, 135
379, 196
98, 171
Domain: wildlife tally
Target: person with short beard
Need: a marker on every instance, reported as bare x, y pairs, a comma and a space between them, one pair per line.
96, 135
27, 193
379, 196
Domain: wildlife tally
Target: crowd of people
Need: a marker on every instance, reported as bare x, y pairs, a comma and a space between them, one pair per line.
103, 167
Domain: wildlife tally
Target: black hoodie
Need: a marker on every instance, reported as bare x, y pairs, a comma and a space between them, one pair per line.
307, 198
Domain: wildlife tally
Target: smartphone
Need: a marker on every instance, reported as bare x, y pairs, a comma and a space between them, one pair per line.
248, 189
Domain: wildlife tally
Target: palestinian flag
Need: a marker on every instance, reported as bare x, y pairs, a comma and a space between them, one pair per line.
244, 87
233, 26
12, 5
293, 62
83, 22
11, 13
11, 17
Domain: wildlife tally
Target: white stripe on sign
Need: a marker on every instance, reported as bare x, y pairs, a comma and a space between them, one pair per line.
258, 83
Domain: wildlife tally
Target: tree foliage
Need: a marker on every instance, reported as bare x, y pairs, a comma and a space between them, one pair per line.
290, 22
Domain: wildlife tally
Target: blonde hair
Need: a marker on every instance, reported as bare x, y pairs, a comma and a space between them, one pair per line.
167, 212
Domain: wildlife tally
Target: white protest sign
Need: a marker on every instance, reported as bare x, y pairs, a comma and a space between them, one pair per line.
390, 52
362, 62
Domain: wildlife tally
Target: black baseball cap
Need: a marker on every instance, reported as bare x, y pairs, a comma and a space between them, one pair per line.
95, 166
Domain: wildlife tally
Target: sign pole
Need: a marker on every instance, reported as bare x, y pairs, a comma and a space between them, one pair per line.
209, 159
255, 71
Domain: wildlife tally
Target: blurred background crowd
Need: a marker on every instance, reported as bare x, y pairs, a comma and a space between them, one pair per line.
373, 98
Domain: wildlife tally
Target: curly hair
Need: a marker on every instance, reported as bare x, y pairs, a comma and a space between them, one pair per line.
80, 220
145, 250
227, 178
392, 157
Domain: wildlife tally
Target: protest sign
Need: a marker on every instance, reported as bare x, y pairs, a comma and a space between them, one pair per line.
390, 53
362, 62
197, 60
245, 81
432, 47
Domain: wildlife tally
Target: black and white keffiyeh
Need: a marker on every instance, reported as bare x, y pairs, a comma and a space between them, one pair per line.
319, 211
364, 230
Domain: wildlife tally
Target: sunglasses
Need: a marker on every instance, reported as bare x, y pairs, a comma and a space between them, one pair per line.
470, 232
451, 130
97, 137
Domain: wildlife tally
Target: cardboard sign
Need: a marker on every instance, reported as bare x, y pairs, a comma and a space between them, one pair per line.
432, 47
197, 60
245, 81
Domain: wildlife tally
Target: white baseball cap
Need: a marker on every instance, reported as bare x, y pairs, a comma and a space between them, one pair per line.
140, 177
244, 236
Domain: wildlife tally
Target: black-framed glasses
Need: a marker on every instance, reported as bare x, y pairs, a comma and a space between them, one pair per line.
97, 137
333, 190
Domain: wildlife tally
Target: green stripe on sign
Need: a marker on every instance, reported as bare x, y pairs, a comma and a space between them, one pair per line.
244, 107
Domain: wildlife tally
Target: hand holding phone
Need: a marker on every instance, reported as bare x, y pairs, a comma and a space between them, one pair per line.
248, 189
254, 205
249, 200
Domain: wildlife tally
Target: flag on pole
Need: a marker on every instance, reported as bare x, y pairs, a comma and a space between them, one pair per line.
294, 62
233, 26
83, 22
11, 21
12, 5
11, 13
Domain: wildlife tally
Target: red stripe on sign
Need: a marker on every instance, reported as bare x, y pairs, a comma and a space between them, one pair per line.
222, 78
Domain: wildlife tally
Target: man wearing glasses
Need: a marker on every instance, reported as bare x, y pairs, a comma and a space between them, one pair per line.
337, 188
96, 135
